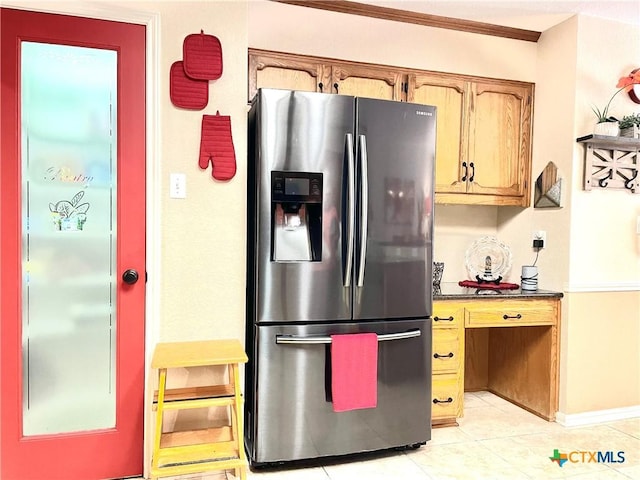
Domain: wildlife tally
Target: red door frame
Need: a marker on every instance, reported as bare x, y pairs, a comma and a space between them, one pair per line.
77, 455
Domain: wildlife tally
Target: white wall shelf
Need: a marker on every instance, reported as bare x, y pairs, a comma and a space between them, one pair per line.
611, 162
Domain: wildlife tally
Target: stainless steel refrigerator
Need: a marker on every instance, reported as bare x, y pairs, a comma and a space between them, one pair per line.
339, 241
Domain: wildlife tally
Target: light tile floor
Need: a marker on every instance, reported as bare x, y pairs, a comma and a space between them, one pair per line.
495, 440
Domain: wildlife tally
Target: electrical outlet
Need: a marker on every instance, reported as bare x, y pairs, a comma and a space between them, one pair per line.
539, 236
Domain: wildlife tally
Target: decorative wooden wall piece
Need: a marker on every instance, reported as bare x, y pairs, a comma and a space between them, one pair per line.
548, 188
611, 162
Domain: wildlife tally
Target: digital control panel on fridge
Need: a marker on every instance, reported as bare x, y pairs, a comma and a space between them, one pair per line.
296, 213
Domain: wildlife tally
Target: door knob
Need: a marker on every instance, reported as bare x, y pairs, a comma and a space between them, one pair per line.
130, 277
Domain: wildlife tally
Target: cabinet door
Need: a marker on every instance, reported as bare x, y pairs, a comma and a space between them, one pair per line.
288, 72
450, 96
366, 81
500, 139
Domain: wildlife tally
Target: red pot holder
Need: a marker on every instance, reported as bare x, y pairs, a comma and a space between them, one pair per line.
216, 146
186, 92
202, 56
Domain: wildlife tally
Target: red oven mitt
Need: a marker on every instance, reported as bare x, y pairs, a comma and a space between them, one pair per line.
216, 146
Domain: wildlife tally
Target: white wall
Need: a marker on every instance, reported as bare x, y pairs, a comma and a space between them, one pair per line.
553, 141
602, 294
288, 28
605, 245
203, 248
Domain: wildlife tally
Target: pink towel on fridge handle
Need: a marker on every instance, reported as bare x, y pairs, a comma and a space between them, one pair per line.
354, 371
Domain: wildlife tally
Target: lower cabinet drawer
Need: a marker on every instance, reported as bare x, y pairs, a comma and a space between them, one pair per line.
446, 315
446, 350
446, 396
511, 313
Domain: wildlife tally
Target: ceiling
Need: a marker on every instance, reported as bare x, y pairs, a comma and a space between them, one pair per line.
525, 14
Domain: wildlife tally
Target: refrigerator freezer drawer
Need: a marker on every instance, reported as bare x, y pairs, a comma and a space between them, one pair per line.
291, 416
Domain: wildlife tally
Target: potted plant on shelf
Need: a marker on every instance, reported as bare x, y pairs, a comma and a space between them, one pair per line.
606, 124
630, 126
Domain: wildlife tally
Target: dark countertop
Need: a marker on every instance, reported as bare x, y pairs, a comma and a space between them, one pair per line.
452, 291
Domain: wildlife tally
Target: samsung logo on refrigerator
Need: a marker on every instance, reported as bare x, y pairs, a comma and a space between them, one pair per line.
422, 112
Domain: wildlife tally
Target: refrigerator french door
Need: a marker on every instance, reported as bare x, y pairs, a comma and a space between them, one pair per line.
339, 228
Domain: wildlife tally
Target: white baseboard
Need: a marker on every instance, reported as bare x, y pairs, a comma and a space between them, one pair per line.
598, 416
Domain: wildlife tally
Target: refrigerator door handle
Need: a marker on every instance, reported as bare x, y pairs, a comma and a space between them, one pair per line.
351, 213
364, 207
313, 340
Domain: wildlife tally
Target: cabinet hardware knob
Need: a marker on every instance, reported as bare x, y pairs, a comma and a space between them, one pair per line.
466, 170
507, 317
448, 400
440, 319
335, 85
448, 355
473, 171
321, 85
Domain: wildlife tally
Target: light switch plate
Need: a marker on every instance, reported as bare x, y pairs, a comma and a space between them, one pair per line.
638, 225
177, 185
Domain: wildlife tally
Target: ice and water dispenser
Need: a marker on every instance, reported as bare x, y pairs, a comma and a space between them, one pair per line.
296, 217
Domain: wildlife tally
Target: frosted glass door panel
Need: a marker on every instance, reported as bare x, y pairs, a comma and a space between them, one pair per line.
68, 100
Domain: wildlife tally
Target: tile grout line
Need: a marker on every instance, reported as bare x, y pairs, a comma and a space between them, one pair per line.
420, 467
622, 431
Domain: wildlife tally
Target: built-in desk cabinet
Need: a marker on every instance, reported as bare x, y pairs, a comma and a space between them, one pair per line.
483, 143
447, 364
509, 347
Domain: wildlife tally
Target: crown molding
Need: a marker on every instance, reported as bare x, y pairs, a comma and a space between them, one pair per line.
436, 21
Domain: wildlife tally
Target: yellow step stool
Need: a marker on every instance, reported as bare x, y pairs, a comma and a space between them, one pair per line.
199, 451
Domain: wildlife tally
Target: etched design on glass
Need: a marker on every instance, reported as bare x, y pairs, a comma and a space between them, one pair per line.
69, 288
68, 215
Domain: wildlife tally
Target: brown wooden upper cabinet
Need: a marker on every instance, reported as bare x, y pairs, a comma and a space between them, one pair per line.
483, 144
289, 72
367, 81
316, 74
